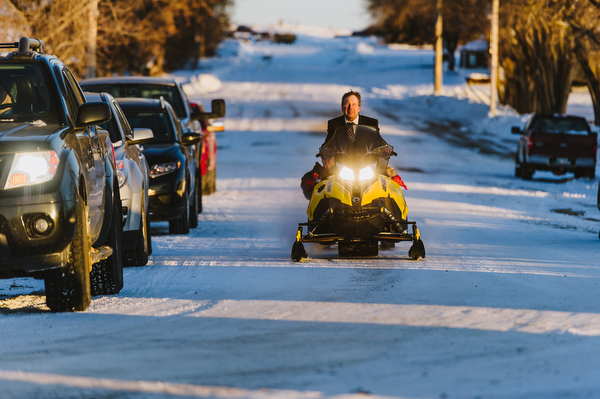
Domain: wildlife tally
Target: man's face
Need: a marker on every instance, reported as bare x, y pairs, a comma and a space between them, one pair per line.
351, 107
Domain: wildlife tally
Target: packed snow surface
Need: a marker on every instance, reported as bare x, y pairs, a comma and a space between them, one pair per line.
506, 303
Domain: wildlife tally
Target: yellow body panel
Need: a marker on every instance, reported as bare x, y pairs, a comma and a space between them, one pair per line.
382, 188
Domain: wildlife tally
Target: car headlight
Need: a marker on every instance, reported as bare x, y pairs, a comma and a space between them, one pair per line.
121, 172
164, 168
30, 168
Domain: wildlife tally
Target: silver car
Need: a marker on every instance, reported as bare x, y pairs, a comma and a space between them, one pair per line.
133, 176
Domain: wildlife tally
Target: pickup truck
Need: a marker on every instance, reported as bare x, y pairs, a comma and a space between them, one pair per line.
60, 209
556, 143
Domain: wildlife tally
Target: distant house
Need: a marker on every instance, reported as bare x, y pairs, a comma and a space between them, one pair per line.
475, 54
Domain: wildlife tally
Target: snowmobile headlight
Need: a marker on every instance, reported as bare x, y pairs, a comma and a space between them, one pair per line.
32, 168
347, 173
365, 174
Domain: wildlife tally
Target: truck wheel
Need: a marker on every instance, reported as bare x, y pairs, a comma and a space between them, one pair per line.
181, 225
68, 289
586, 173
139, 255
194, 208
107, 275
527, 172
518, 170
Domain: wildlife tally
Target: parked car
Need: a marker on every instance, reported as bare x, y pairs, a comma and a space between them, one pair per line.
134, 180
173, 195
60, 208
192, 116
557, 143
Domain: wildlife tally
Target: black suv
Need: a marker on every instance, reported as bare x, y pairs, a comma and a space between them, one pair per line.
60, 210
173, 192
192, 117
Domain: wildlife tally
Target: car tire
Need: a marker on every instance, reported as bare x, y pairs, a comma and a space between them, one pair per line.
69, 288
194, 208
138, 256
148, 235
181, 225
107, 275
199, 184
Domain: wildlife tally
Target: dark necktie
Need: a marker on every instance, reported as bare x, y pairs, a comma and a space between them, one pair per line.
350, 129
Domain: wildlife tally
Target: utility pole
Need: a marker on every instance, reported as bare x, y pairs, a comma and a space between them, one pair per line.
439, 51
494, 51
92, 38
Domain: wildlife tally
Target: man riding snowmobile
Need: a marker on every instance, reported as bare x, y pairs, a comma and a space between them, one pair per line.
354, 203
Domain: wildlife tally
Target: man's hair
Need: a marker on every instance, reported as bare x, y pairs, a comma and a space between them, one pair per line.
351, 93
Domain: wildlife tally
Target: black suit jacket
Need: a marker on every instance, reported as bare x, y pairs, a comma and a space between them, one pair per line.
334, 123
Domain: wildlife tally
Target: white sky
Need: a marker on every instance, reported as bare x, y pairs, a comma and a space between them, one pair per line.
348, 14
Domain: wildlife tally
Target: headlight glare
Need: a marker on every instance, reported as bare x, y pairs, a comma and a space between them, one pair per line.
30, 168
365, 174
347, 173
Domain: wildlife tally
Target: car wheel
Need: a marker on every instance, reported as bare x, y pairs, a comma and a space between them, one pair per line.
181, 225
107, 275
194, 209
139, 255
68, 289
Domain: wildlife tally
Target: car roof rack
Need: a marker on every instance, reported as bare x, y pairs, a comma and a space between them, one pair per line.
24, 45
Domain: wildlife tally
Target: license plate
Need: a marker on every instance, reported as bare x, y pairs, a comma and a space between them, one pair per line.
563, 161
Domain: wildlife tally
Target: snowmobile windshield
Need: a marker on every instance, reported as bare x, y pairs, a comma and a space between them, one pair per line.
367, 148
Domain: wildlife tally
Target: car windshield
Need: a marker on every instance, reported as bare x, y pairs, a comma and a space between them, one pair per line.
159, 123
561, 125
139, 90
24, 94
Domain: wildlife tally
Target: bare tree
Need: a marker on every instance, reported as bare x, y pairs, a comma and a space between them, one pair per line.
13, 22
537, 56
583, 17
143, 37
413, 22
464, 21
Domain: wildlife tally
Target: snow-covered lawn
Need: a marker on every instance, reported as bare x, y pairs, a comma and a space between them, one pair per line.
506, 303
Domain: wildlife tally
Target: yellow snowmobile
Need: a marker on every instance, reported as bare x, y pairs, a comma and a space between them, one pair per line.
357, 205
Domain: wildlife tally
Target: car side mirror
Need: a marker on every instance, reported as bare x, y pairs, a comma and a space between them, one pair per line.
93, 113
141, 135
217, 111
191, 138
516, 130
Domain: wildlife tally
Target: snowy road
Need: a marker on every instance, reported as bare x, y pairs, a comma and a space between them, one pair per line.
506, 303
